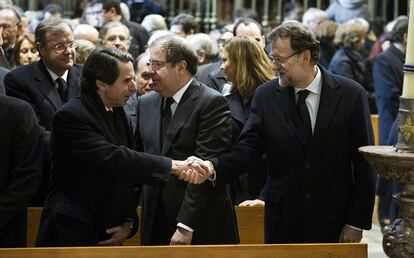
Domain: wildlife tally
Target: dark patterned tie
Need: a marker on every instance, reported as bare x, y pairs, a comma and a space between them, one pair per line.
62, 89
166, 117
304, 113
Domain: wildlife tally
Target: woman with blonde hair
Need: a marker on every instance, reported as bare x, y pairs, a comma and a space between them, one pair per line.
348, 60
246, 66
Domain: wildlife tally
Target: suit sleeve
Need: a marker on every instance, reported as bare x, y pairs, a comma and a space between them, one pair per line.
214, 138
15, 88
249, 149
362, 195
388, 92
78, 140
26, 167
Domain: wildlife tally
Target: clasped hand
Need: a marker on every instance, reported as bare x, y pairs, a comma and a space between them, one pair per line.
192, 170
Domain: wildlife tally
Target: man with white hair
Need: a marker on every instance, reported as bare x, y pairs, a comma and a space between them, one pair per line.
117, 35
313, 17
87, 32
154, 22
204, 46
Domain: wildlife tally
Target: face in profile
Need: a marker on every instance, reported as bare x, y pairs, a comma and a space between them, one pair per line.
118, 93
144, 76
225, 65
27, 53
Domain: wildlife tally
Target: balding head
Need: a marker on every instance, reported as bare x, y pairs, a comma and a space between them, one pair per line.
87, 32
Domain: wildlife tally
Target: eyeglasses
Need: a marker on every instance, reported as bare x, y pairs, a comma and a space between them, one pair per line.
281, 59
59, 48
156, 65
112, 38
6, 26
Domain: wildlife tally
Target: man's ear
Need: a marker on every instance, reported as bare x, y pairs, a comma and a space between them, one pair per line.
201, 56
182, 66
307, 56
100, 84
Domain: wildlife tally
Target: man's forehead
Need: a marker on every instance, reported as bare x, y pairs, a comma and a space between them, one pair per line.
157, 51
117, 31
281, 45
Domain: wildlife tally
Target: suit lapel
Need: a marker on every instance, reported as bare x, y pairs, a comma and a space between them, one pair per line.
181, 115
286, 100
46, 85
235, 105
328, 104
154, 114
73, 83
92, 102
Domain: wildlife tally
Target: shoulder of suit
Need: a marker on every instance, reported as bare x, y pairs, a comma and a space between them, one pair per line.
11, 103
149, 97
343, 83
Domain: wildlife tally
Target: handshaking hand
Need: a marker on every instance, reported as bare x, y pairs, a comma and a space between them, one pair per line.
192, 170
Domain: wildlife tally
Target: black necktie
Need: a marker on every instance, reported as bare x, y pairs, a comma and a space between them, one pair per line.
110, 118
304, 113
62, 89
166, 117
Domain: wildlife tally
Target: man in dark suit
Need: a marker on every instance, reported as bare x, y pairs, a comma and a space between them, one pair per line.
183, 118
3, 72
20, 168
92, 198
311, 123
388, 81
48, 83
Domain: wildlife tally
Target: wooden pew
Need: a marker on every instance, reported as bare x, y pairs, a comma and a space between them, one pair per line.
374, 121
221, 251
249, 220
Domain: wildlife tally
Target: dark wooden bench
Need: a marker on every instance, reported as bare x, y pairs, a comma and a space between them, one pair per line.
249, 220
220, 251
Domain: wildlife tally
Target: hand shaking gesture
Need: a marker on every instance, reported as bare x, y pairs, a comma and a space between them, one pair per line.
192, 170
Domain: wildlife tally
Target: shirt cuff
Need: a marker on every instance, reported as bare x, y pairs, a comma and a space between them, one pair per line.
359, 229
181, 225
211, 177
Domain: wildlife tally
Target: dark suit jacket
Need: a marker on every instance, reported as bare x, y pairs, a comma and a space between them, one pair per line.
20, 168
33, 84
350, 63
249, 184
94, 176
212, 75
311, 190
139, 40
3, 72
388, 81
201, 126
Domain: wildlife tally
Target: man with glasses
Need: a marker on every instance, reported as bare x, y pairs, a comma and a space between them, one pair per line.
319, 188
48, 83
8, 23
182, 118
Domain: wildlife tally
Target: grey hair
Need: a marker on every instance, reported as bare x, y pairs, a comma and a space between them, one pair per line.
52, 25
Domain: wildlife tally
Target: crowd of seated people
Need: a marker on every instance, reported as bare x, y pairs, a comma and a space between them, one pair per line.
42, 57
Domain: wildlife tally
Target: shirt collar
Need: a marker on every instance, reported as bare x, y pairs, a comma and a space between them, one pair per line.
316, 84
179, 94
108, 108
55, 76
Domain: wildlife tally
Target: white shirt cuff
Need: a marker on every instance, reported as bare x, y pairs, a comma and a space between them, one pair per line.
360, 229
181, 225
